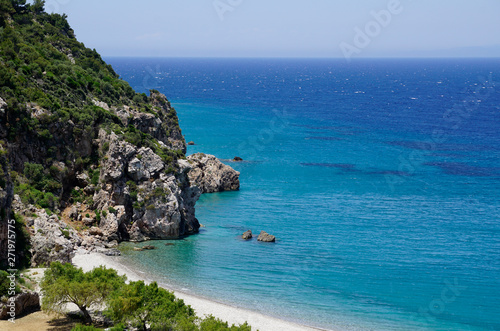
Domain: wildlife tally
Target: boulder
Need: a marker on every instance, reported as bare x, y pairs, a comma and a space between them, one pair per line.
191, 143
83, 179
88, 221
237, 159
247, 235
95, 231
266, 237
25, 303
112, 252
211, 175
73, 213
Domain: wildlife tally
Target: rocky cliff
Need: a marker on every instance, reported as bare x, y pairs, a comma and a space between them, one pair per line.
90, 161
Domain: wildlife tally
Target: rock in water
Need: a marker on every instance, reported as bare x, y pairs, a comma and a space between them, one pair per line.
211, 175
266, 237
247, 235
191, 143
237, 159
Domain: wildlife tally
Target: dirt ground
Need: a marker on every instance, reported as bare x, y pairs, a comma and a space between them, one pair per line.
38, 321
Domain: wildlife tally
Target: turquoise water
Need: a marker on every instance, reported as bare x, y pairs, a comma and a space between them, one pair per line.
380, 180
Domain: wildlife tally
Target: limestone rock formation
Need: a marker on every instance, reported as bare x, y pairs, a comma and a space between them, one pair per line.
266, 237
211, 175
146, 202
52, 240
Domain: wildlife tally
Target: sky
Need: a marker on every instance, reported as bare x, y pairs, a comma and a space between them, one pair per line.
286, 28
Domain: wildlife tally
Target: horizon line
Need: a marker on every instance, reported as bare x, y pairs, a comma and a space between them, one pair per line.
304, 57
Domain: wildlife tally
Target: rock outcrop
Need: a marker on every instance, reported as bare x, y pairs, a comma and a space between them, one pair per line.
145, 201
211, 175
52, 240
266, 237
106, 163
163, 126
24, 303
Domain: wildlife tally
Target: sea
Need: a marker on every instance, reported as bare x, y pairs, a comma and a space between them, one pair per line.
380, 179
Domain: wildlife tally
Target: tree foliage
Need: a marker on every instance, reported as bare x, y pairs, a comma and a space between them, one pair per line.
136, 304
140, 305
64, 283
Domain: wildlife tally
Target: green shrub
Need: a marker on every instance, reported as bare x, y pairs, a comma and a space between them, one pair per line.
211, 323
65, 233
64, 283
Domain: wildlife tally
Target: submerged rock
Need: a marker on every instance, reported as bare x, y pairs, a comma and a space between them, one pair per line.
266, 237
247, 235
211, 175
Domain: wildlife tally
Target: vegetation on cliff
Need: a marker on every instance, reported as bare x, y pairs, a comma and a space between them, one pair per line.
56, 95
76, 140
73, 133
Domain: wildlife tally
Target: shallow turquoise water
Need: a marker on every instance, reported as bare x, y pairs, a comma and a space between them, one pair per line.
381, 223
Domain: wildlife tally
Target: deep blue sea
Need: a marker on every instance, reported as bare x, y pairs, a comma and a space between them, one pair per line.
379, 178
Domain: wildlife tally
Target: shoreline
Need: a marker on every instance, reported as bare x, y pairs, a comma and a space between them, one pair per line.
202, 306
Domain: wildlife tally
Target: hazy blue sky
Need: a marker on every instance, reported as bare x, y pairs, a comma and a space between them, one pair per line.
283, 28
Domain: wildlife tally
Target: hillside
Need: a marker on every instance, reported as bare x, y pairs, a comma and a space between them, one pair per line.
91, 161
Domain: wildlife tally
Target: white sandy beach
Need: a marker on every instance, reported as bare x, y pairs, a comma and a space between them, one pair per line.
202, 306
